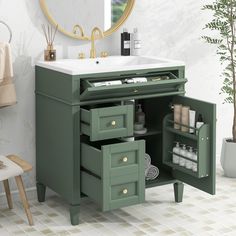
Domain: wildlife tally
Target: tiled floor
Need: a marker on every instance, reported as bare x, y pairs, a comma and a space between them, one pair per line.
199, 214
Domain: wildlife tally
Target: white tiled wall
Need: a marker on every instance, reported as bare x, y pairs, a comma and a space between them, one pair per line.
168, 28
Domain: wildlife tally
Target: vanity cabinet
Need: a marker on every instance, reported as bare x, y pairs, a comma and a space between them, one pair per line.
81, 131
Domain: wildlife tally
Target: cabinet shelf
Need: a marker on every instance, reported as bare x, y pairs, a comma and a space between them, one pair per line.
180, 133
172, 153
164, 177
200, 140
150, 132
184, 170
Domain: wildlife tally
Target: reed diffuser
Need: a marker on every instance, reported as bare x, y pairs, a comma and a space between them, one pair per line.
50, 52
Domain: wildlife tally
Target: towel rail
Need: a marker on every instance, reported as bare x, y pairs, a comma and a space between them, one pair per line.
9, 29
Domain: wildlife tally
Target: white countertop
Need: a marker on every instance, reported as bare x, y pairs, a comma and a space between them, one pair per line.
108, 64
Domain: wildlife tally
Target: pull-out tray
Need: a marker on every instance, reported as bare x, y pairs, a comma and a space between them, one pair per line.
156, 83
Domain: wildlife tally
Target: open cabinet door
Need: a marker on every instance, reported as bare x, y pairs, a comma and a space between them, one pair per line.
203, 140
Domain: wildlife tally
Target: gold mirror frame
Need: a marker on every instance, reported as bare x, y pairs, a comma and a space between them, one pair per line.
114, 28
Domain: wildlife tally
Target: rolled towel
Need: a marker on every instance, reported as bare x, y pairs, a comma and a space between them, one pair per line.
152, 173
147, 161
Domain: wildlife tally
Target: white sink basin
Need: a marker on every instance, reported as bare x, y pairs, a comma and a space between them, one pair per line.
109, 64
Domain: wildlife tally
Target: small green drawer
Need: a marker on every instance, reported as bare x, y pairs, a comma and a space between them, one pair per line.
114, 193
108, 122
113, 174
111, 160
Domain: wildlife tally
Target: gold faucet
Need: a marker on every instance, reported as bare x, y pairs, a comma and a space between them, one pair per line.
93, 38
76, 27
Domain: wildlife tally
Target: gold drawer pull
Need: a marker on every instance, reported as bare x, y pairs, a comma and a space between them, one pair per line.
125, 159
125, 191
135, 90
113, 123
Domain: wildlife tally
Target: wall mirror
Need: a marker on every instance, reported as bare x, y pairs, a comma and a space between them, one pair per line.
108, 15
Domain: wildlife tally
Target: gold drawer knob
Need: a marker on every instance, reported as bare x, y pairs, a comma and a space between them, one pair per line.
113, 123
135, 90
125, 159
125, 191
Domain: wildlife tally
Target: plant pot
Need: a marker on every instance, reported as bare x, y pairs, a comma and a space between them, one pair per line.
228, 158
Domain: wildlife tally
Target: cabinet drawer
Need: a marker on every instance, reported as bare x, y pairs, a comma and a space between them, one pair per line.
108, 122
112, 160
114, 193
156, 83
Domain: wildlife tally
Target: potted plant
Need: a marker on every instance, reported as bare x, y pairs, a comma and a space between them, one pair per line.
223, 24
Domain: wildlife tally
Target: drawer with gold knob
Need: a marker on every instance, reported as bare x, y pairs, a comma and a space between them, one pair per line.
113, 174
107, 122
113, 158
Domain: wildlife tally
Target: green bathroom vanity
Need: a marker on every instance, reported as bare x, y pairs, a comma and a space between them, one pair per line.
80, 131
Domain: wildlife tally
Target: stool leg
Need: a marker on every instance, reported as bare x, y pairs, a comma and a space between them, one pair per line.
8, 193
24, 200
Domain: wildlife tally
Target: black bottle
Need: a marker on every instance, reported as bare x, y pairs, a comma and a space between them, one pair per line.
125, 43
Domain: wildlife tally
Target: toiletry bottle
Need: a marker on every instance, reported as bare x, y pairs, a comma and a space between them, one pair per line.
183, 153
176, 150
192, 115
136, 43
189, 155
177, 115
140, 115
185, 119
125, 43
195, 158
199, 122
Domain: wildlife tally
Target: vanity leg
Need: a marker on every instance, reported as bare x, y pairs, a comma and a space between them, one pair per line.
74, 214
178, 190
41, 191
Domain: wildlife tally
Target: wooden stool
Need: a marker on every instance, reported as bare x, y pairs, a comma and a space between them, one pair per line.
26, 167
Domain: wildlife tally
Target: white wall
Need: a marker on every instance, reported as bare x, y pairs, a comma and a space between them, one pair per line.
71, 12
168, 28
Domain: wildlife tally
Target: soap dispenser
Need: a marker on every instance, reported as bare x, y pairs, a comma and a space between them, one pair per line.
189, 155
136, 43
140, 115
176, 150
183, 152
125, 43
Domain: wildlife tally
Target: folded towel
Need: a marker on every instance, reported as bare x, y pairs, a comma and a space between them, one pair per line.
10, 169
7, 88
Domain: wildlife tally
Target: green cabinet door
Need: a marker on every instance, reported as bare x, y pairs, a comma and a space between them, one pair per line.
203, 140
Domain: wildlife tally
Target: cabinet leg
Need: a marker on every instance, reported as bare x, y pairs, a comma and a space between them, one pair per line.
178, 190
74, 214
41, 191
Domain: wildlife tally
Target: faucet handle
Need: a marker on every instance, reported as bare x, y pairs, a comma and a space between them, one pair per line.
81, 55
104, 54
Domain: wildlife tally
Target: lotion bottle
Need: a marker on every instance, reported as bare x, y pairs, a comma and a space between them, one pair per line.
140, 115
176, 150
183, 153
199, 122
189, 155
195, 158
136, 43
125, 43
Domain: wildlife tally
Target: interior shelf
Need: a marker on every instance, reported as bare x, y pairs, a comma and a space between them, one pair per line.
150, 132
164, 177
182, 169
200, 141
178, 132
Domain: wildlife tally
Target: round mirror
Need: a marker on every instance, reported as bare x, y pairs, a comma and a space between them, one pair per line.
77, 18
